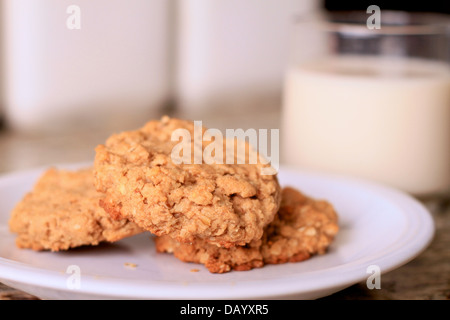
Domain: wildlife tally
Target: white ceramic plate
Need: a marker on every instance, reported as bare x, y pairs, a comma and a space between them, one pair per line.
379, 226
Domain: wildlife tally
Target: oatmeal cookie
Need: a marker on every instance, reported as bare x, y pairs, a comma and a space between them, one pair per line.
303, 227
62, 211
223, 204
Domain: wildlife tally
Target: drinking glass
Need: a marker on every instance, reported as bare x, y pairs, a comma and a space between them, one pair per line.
371, 102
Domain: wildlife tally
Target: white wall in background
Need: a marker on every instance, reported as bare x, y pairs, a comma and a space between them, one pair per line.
233, 52
114, 66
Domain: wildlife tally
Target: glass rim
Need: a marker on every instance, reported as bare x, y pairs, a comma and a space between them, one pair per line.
393, 22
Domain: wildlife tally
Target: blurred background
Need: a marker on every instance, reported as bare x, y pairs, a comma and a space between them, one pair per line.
70, 78
369, 103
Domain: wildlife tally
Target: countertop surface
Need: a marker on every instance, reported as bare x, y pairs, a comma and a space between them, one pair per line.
426, 277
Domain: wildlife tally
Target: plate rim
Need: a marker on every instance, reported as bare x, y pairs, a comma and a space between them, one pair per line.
409, 248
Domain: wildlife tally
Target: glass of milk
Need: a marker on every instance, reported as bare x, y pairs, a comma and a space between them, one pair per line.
370, 98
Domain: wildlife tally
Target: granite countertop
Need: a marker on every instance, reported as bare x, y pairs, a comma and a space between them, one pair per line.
426, 277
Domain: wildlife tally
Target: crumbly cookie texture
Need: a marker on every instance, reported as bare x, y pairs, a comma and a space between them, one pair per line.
303, 227
62, 212
223, 204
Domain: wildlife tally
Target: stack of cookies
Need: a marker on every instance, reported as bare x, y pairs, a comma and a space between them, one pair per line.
227, 216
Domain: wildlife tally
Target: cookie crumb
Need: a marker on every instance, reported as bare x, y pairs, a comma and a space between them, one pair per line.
130, 265
195, 270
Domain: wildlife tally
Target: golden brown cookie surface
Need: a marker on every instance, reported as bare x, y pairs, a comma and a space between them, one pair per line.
224, 204
303, 227
62, 211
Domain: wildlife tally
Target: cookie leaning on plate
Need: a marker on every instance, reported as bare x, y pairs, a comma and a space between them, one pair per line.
223, 204
62, 212
303, 227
